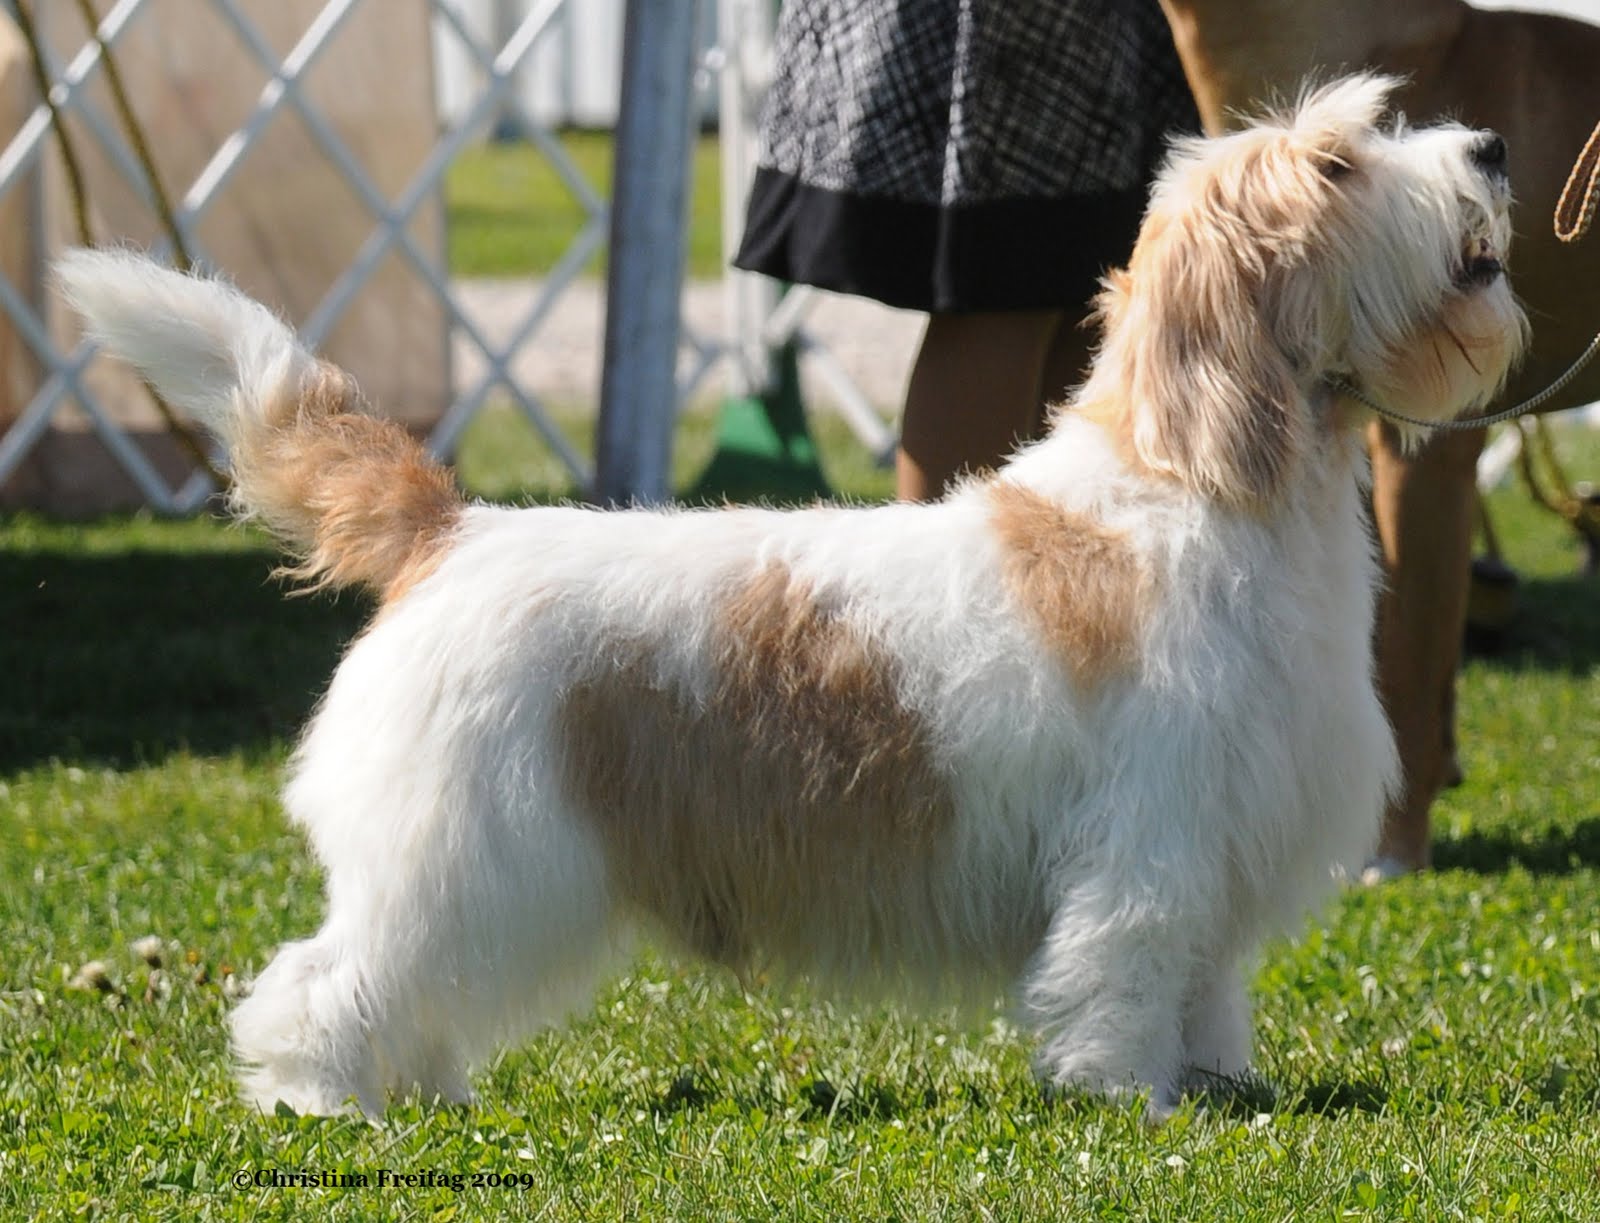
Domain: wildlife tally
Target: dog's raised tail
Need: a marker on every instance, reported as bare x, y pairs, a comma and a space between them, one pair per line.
355, 497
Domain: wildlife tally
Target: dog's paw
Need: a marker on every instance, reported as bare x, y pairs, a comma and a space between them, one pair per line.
1160, 1106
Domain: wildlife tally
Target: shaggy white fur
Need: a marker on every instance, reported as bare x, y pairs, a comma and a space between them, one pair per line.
1091, 727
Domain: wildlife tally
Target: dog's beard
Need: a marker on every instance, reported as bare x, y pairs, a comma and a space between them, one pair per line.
1458, 359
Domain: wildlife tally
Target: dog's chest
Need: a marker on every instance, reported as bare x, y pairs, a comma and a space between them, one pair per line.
1263, 665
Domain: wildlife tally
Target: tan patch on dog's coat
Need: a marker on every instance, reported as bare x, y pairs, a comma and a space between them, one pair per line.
798, 782
1081, 582
359, 496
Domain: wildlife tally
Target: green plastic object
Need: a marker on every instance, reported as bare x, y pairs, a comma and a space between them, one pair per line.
764, 449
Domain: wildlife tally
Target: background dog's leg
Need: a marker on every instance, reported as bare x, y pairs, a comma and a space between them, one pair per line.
1422, 507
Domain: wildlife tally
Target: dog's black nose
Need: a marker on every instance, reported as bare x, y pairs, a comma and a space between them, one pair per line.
1489, 152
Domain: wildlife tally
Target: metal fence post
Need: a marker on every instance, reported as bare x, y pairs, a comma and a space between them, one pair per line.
649, 211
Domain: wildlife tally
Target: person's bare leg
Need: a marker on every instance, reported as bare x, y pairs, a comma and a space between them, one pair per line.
1422, 507
1066, 365
973, 394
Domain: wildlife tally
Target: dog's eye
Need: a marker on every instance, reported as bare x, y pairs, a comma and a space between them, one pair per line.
1335, 167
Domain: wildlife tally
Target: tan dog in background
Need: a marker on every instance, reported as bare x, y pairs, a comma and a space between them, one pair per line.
1535, 78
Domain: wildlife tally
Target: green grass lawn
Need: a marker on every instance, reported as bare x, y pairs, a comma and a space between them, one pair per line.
1430, 1049
509, 213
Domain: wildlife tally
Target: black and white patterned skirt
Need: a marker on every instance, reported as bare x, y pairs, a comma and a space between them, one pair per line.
961, 155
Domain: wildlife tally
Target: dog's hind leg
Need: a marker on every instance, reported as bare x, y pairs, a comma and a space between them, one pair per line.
302, 1037
446, 934
525, 930
330, 1022
442, 1074
363, 1014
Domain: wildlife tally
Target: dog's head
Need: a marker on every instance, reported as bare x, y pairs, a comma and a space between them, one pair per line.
1312, 244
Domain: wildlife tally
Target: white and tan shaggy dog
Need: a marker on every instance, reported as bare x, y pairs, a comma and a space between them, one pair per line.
1088, 728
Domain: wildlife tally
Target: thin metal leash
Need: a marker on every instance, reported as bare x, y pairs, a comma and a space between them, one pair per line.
1344, 386
1574, 214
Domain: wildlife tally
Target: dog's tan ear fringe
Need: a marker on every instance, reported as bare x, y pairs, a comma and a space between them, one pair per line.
1212, 396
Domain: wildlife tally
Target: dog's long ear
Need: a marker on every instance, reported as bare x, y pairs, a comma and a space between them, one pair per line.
1213, 398
1221, 311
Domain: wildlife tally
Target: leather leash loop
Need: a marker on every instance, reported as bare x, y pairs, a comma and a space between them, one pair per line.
1576, 207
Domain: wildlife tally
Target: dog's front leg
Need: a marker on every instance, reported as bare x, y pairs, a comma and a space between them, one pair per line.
1216, 1026
1105, 994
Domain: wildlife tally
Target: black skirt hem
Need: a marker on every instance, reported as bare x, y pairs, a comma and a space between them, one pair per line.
1014, 254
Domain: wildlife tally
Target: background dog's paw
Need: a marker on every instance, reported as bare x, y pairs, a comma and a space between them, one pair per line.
1382, 869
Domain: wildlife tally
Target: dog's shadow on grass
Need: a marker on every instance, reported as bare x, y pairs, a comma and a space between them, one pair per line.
1553, 629
862, 1101
1247, 1097
819, 1099
867, 1101
120, 659
1334, 1096
1560, 851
